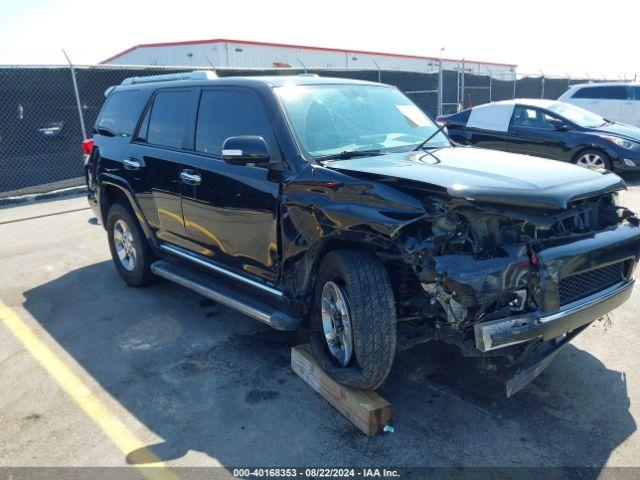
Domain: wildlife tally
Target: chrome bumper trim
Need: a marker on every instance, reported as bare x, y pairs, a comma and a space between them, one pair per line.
524, 328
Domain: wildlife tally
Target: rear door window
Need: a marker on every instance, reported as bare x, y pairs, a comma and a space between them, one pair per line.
168, 118
120, 113
229, 113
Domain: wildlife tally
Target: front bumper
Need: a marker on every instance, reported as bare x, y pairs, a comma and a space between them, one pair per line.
544, 326
537, 362
627, 162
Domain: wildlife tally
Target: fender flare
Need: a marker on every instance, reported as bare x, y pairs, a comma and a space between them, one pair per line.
110, 180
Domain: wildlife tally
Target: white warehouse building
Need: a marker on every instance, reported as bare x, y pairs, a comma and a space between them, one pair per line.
222, 53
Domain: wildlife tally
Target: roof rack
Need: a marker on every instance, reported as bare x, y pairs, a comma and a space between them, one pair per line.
195, 75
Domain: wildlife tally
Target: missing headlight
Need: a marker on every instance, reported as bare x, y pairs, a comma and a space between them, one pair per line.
519, 301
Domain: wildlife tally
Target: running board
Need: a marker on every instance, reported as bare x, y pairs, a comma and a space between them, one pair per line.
215, 290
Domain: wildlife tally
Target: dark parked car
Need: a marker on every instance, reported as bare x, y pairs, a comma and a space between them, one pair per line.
338, 206
549, 129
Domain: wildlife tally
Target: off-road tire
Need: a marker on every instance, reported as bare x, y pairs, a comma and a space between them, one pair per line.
372, 313
141, 273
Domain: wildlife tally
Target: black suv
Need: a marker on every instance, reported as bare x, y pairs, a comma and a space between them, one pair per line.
339, 206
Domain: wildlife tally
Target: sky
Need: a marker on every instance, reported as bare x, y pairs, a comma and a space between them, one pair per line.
560, 37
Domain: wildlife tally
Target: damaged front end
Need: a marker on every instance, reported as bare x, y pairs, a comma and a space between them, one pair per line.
512, 281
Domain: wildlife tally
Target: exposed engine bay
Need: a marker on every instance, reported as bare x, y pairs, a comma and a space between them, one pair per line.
464, 265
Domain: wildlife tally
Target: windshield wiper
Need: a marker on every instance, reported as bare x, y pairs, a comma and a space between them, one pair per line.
442, 127
347, 154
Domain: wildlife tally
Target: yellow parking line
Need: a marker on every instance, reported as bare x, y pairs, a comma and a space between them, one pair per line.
117, 431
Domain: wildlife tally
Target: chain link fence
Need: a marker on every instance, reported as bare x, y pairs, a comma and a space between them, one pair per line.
42, 118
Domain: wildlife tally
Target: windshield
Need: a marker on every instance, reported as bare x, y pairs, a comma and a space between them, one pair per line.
333, 119
577, 115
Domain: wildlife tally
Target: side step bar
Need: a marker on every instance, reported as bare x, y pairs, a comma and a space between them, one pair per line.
214, 289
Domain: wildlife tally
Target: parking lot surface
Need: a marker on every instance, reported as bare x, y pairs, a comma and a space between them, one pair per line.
93, 373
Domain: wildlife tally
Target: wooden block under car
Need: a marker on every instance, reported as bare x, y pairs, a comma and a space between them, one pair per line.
365, 409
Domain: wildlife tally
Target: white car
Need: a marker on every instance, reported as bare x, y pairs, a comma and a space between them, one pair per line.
617, 101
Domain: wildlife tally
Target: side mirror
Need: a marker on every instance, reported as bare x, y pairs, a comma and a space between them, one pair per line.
558, 124
250, 150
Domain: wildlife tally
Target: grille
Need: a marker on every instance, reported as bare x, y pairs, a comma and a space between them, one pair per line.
584, 284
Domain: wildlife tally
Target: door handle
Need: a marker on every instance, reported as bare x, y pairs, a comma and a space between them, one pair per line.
189, 177
131, 164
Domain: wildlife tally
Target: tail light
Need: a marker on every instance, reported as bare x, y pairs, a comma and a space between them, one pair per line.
87, 146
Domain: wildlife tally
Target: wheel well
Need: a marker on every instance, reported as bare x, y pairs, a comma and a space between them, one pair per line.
586, 149
338, 244
406, 286
303, 274
110, 196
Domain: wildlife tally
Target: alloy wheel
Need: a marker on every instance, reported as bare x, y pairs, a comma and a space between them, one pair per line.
591, 160
336, 323
125, 247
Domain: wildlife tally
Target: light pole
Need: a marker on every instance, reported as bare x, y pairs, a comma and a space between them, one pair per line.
379, 71
490, 82
440, 82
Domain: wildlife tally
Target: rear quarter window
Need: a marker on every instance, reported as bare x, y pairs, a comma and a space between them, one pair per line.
120, 113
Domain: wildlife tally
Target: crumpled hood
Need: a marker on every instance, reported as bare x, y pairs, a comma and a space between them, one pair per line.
488, 175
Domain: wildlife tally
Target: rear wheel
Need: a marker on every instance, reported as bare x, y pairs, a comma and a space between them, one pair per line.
354, 319
593, 158
129, 247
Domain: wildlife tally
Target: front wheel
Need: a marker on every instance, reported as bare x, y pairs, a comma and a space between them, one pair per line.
354, 319
592, 158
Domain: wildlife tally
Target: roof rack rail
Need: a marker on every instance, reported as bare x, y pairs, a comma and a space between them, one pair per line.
195, 75
305, 74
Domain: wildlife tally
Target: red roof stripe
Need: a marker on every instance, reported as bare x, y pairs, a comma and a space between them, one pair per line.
302, 47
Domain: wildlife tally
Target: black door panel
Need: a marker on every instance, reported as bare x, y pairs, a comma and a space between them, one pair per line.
231, 214
493, 140
532, 134
153, 162
230, 211
157, 188
540, 142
